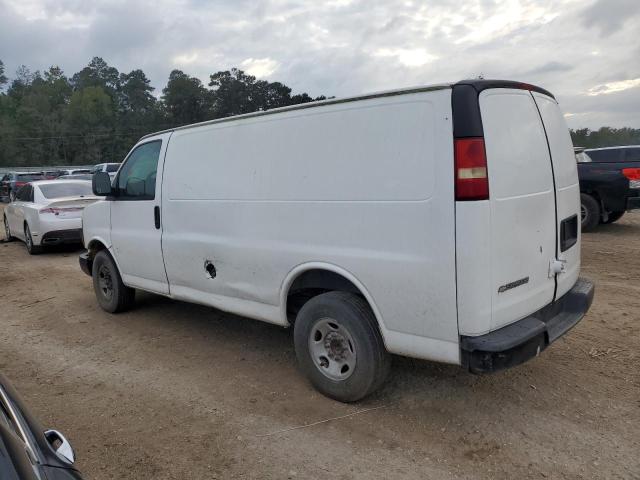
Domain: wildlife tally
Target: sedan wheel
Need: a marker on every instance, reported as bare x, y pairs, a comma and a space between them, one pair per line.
31, 248
7, 231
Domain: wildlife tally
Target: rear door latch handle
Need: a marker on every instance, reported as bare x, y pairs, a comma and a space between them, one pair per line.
556, 267
156, 216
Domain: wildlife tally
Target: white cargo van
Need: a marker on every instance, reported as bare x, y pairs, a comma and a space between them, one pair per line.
438, 222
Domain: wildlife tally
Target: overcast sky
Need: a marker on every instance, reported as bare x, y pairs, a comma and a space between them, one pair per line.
586, 52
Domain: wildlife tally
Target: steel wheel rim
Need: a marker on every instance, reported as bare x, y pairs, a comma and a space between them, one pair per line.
332, 349
105, 282
583, 212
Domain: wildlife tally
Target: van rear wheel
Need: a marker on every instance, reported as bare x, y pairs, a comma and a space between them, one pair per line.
112, 295
339, 346
589, 212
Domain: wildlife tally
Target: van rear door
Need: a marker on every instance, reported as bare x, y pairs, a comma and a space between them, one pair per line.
567, 191
522, 205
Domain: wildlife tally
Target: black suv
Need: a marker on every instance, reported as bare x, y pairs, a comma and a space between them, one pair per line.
609, 183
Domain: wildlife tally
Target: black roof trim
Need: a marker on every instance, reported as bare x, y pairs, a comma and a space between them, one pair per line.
465, 109
481, 85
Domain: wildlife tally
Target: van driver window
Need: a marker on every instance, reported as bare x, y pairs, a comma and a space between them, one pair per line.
137, 178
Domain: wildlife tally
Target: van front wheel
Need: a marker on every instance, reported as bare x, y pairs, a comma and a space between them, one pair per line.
112, 295
339, 347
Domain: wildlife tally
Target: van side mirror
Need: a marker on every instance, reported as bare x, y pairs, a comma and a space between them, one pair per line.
101, 184
60, 445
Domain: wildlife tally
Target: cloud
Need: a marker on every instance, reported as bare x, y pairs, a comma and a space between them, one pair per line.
259, 67
609, 16
549, 67
345, 47
409, 57
613, 87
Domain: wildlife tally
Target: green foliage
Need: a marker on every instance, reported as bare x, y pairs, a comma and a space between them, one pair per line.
185, 99
235, 93
605, 137
99, 113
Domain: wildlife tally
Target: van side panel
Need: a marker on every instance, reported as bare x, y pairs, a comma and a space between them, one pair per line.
365, 186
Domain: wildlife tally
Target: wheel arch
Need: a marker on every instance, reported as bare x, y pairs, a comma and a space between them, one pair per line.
322, 276
97, 244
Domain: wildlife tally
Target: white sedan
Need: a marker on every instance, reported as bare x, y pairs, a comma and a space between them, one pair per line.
48, 212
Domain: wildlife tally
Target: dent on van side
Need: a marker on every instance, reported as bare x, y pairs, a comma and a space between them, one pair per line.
374, 225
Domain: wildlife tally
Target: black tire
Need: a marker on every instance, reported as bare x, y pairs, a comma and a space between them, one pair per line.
28, 241
113, 296
7, 231
590, 212
613, 217
352, 317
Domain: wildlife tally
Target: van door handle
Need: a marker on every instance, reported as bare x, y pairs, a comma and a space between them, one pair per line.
156, 216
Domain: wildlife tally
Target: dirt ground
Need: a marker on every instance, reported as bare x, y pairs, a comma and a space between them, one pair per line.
178, 391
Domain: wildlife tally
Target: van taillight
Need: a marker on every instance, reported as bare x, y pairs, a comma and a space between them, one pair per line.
472, 182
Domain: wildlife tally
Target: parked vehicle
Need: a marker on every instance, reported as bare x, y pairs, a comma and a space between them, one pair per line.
386, 223
51, 174
28, 451
48, 212
13, 181
609, 183
110, 168
75, 171
76, 176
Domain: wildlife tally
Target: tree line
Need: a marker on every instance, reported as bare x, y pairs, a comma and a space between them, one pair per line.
97, 114
605, 137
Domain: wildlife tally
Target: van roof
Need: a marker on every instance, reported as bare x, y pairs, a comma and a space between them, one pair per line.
478, 84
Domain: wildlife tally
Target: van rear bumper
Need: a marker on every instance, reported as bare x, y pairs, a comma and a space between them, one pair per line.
516, 343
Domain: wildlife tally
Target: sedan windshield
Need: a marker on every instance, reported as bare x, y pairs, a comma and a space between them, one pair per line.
113, 167
59, 190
